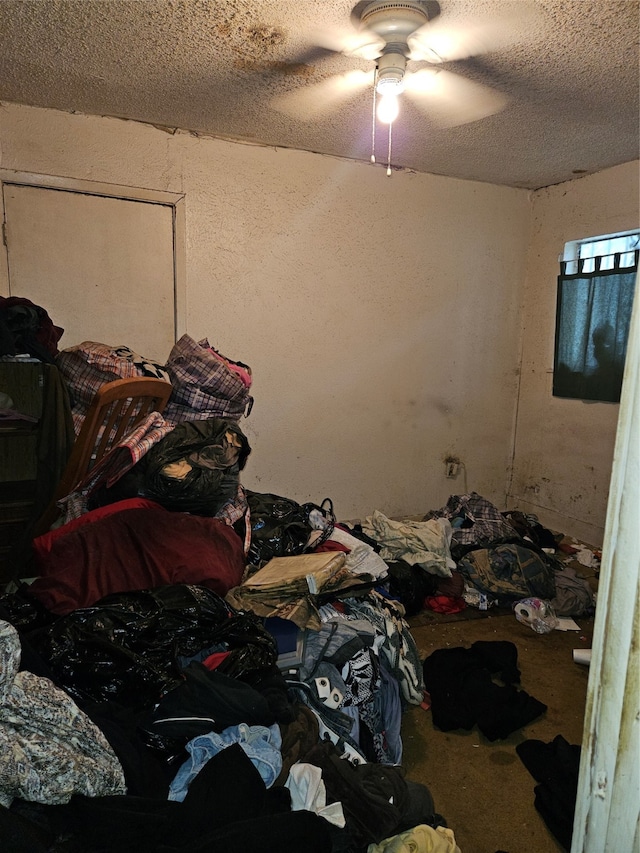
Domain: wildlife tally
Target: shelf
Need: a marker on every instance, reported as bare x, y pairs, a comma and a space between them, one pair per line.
17, 428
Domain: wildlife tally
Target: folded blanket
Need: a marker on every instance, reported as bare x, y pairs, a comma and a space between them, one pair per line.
133, 550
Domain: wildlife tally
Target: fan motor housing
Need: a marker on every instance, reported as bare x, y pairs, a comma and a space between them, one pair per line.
394, 22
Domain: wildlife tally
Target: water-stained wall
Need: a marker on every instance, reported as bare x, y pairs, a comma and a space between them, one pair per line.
564, 448
381, 316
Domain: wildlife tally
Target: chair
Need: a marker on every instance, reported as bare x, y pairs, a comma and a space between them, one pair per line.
116, 409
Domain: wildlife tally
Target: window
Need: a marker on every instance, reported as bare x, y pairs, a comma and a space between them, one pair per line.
595, 295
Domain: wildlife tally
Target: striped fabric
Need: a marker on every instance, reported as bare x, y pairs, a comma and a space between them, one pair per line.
89, 365
116, 463
204, 386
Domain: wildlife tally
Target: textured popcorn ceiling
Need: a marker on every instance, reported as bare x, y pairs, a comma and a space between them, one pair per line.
218, 66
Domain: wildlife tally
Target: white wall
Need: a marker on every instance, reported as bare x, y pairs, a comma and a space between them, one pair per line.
379, 315
564, 448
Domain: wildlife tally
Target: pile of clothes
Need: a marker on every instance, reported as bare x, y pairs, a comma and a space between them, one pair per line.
146, 701
182, 729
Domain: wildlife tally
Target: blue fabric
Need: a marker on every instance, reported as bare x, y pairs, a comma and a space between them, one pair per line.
261, 744
388, 701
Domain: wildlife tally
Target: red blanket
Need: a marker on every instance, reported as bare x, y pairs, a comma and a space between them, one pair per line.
42, 545
136, 549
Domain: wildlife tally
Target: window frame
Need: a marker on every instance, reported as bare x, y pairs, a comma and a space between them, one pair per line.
604, 256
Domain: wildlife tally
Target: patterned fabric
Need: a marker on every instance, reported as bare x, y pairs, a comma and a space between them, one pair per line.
234, 511
361, 675
509, 572
334, 724
204, 385
475, 521
342, 652
395, 642
49, 749
116, 463
89, 365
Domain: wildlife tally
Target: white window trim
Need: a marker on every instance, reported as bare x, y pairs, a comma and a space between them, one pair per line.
573, 249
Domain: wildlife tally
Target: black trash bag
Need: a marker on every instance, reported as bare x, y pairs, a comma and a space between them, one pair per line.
196, 467
23, 610
281, 527
411, 585
27, 328
126, 647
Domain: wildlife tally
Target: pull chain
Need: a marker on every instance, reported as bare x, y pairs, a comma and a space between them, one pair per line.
373, 119
389, 152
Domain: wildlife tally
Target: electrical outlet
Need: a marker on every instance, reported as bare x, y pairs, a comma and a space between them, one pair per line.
452, 467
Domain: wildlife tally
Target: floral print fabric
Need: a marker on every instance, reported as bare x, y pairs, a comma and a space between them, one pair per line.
49, 749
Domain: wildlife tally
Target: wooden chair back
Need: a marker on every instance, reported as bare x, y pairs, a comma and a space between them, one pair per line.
116, 409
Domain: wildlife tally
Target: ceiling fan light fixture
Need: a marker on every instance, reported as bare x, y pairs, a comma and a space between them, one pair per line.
388, 108
392, 65
393, 19
368, 49
390, 85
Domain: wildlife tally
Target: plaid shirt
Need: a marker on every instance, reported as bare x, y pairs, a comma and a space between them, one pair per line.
475, 520
236, 509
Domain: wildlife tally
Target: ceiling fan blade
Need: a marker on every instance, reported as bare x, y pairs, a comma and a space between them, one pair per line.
450, 99
362, 43
310, 102
442, 41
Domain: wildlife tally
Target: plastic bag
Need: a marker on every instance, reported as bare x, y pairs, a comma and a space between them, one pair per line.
196, 467
126, 647
536, 613
280, 527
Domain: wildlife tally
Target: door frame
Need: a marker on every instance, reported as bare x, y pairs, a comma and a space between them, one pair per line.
176, 201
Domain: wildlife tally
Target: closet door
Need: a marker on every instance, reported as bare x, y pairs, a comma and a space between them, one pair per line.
102, 266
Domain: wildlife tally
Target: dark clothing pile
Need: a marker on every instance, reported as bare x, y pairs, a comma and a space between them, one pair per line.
555, 767
463, 692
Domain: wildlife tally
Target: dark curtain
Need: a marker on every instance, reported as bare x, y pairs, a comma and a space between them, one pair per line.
592, 327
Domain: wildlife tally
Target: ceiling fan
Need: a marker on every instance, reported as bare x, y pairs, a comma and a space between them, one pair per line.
396, 34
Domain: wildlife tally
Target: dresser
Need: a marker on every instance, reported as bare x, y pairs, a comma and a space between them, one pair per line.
23, 382
32, 453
